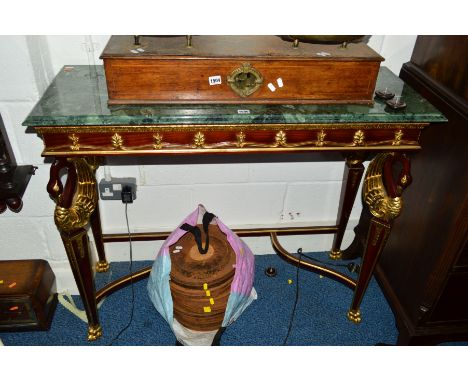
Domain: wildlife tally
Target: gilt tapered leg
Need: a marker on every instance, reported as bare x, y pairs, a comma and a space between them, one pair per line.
102, 264
376, 239
75, 203
77, 247
382, 197
351, 181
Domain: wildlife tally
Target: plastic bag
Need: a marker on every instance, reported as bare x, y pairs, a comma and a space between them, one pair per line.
241, 292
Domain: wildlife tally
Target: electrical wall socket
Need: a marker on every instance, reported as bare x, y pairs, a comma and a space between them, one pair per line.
112, 190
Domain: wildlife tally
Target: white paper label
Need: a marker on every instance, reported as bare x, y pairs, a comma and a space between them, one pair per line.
214, 80
271, 87
243, 111
280, 82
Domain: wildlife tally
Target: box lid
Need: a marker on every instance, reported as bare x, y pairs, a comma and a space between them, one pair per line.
21, 277
251, 47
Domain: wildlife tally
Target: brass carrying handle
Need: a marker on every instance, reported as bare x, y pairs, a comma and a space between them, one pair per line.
245, 80
137, 40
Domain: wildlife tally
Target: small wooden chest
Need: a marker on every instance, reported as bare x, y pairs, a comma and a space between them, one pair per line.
237, 69
27, 295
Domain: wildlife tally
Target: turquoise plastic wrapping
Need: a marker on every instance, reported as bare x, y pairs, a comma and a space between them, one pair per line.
158, 287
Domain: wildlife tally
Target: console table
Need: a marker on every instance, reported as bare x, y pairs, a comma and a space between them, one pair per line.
80, 130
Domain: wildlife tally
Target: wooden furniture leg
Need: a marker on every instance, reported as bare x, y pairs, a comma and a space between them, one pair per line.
356, 248
77, 247
102, 265
376, 239
351, 181
382, 194
75, 203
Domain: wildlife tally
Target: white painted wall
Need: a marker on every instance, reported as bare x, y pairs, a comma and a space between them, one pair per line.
241, 194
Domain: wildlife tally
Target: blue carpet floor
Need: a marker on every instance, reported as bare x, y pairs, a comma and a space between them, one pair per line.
320, 317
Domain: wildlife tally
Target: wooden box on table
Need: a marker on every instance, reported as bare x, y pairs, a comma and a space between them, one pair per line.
237, 69
27, 295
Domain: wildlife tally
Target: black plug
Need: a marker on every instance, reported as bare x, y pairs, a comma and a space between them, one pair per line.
126, 195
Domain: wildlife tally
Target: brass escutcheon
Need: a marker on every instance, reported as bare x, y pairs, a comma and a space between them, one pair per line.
245, 80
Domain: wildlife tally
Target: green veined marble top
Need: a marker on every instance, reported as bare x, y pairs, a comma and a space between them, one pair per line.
78, 97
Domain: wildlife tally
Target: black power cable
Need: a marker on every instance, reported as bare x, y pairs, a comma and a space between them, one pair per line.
352, 267
131, 277
299, 251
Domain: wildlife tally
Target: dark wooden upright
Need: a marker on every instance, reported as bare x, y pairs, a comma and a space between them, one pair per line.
13, 178
424, 268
